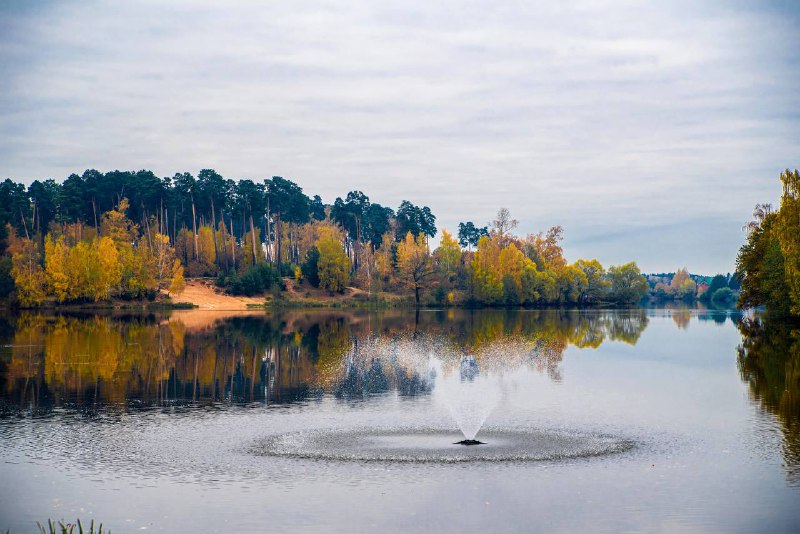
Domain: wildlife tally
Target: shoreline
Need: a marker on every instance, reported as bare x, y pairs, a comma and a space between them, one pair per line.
202, 294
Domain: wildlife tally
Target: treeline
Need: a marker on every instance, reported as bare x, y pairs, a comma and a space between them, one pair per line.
503, 270
131, 235
769, 262
720, 290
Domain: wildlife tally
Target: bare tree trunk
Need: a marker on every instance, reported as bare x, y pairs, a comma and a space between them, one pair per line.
233, 246
194, 226
253, 239
291, 243
24, 224
268, 237
214, 230
224, 240
94, 209
278, 240
369, 270
147, 225
358, 245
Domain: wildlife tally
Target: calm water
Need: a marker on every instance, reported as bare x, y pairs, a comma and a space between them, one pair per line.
665, 420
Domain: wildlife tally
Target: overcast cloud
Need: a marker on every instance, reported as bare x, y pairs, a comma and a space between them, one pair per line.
648, 131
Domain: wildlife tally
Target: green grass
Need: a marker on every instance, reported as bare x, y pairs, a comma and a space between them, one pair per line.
69, 528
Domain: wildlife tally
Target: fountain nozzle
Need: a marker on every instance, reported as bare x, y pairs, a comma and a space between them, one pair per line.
469, 442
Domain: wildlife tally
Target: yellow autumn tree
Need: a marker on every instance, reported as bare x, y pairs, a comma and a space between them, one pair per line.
248, 249
87, 270
78, 269
511, 265
788, 232
108, 272
503, 274
414, 263
544, 249
163, 259
682, 286
144, 270
537, 286
448, 255
56, 253
596, 283
206, 253
184, 246
28, 275
384, 269
137, 267
333, 265
572, 282
117, 226
177, 282
486, 276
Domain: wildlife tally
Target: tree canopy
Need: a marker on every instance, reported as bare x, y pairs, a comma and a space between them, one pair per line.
133, 235
768, 264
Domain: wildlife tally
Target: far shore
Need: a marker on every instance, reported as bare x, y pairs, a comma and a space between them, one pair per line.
201, 294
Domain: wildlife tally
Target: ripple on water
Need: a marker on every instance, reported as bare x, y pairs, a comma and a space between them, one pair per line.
438, 446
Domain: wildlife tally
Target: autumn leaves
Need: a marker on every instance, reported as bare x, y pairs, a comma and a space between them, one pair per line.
81, 266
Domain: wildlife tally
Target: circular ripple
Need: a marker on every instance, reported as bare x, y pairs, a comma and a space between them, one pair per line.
438, 446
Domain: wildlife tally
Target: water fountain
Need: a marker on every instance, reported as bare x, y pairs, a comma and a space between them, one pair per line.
469, 396
468, 386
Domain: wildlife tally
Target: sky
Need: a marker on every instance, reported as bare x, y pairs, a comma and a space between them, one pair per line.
648, 131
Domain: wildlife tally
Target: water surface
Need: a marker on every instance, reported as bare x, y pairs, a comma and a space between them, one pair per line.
673, 419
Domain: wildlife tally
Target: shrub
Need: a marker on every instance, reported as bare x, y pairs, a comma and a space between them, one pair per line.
309, 267
723, 297
440, 295
254, 281
510, 292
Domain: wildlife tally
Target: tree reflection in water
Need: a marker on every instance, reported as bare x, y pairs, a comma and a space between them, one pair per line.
126, 362
769, 362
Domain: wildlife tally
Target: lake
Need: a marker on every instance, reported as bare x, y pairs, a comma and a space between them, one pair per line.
593, 420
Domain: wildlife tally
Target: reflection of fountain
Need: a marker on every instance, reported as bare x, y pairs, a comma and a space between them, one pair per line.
468, 368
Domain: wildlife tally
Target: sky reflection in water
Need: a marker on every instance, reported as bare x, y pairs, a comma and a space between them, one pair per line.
140, 404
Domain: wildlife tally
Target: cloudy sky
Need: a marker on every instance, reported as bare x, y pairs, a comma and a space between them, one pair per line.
648, 131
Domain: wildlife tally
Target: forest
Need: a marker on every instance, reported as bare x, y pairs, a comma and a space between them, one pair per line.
769, 261
123, 235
